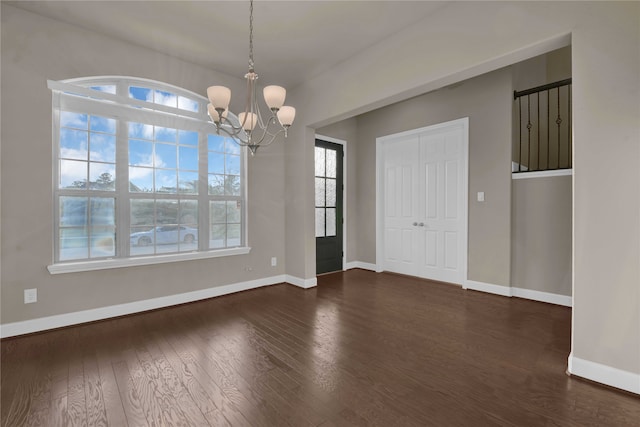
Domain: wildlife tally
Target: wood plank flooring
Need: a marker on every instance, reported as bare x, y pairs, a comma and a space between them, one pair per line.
360, 349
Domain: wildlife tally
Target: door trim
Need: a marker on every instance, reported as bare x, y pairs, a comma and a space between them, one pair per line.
344, 193
380, 141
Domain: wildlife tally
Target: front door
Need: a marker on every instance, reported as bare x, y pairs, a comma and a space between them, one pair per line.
328, 195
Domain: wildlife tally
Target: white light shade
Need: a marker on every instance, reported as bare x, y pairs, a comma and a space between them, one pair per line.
286, 115
219, 96
251, 121
214, 114
274, 96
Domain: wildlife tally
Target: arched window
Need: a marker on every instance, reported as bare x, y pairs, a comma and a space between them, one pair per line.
141, 173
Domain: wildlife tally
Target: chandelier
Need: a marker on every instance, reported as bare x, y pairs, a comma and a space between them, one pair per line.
249, 129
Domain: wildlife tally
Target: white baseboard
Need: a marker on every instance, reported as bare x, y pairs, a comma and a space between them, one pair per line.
604, 374
557, 299
69, 319
301, 283
508, 291
489, 288
351, 265
360, 264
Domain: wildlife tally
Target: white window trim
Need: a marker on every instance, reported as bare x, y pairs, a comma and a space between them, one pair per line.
105, 264
121, 100
102, 103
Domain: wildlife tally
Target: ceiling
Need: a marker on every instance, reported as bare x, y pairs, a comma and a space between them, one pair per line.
293, 40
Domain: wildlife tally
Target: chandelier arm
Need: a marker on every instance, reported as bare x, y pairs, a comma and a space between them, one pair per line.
261, 122
235, 132
253, 104
226, 123
270, 139
250, 97
235, 136
257, 111
265, 132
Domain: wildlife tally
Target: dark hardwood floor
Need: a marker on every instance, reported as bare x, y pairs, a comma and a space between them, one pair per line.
360, 349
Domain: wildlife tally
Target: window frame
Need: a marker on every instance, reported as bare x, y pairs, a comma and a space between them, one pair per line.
76, 95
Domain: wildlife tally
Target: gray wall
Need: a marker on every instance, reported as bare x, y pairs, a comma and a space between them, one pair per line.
486, 100
35, 49
542, 234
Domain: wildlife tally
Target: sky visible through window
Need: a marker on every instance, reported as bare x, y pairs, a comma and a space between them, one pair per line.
87, 149
163, 98
162, 159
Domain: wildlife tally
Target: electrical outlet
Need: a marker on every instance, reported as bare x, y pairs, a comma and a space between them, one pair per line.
30, 296
274, 261
248, 268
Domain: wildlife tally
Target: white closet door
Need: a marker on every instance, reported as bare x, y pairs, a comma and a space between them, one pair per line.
402, 205
441, 169
424, 197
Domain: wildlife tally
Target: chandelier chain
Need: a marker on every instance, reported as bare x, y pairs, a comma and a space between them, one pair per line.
251, 64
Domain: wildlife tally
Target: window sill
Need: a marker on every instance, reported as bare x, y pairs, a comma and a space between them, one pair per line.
74, 267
